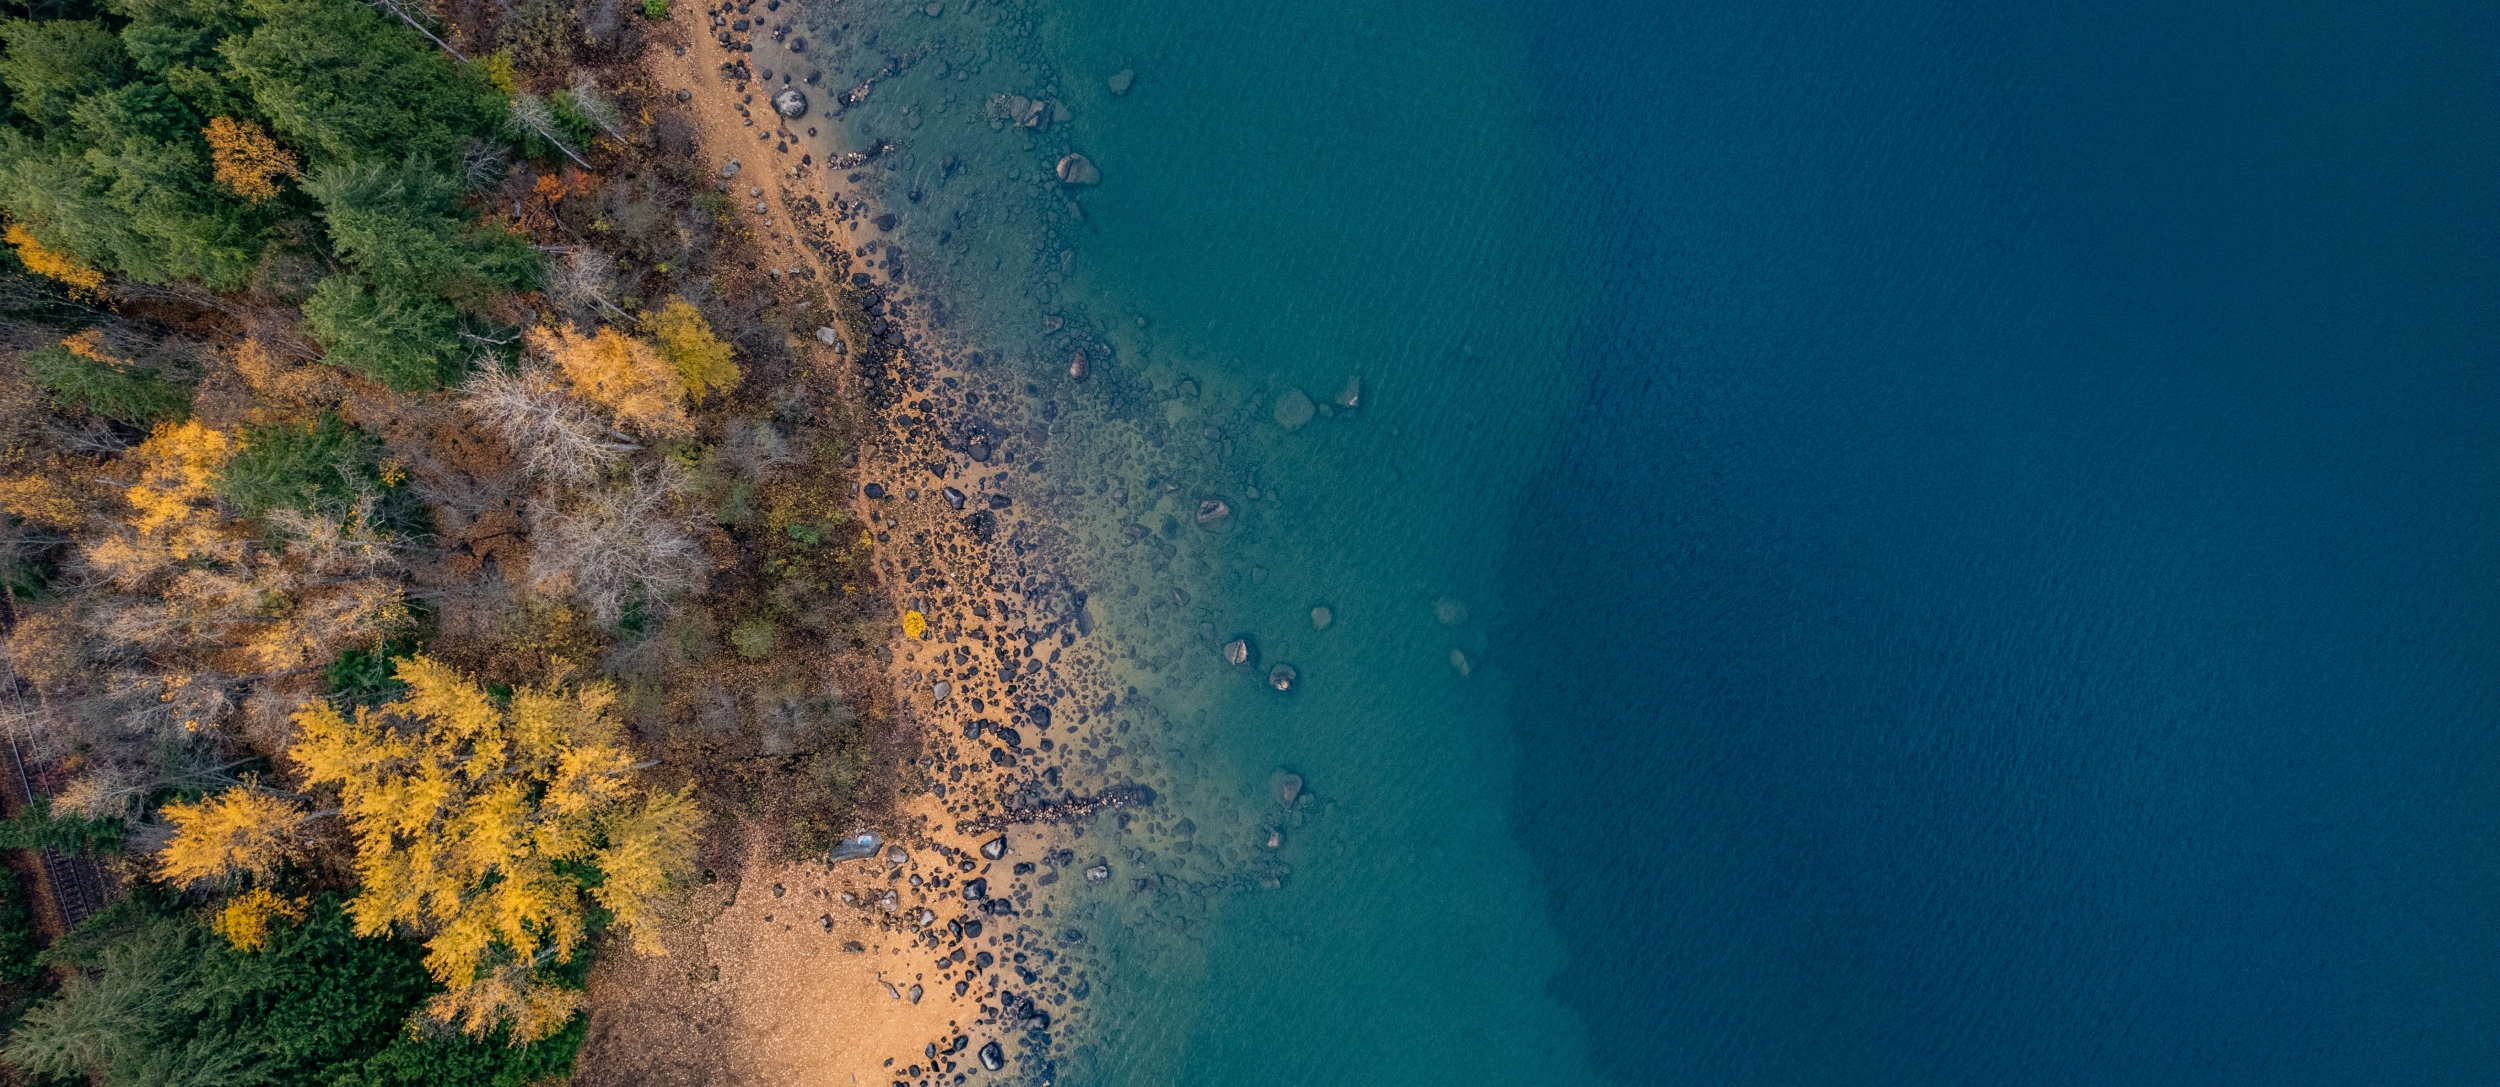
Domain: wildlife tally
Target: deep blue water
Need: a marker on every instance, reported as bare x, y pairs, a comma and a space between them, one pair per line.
2018, 602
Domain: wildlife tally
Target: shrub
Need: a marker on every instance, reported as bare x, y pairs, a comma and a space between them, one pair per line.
319, 464
82, 377
753, 639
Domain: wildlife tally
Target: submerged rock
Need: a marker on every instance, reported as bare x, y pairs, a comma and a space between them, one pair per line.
1078, 170
1450, 610
1122, 80
1282, 677
1294, 409
1284, 785
1351, 397
1321, 617
1213, 510
1079, 366
1458, 660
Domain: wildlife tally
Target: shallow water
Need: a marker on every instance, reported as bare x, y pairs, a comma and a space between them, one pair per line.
1969, 530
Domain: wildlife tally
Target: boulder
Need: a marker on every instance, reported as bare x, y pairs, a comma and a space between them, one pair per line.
827, 336
1078, 170
1294, 409
856, 847
1351, 397
1284, 785
1237, 652
790, 102
1282, 677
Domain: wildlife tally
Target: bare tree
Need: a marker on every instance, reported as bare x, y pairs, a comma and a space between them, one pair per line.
555, 434
584, 278
618, 546
595, 107
531, 115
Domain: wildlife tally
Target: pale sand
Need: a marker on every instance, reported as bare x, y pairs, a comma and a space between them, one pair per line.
755, 989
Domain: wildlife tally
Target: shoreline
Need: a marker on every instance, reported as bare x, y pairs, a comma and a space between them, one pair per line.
849, 972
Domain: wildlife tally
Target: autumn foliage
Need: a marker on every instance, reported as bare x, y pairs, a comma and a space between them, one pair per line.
476, 823
239, 832
51, 264
248, 162
622, 374
703, 362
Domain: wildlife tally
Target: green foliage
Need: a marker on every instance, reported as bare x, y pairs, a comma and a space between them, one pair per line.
655, 9
319, 464
407, 340
342, 82
35, 827
79, 383
366, 677
394, 319
49, 66
156, 998
17, 930
130, 187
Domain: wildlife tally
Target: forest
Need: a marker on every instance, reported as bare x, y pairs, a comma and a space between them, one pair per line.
425, 547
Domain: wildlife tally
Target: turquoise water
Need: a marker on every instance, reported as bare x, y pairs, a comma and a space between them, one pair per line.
1967, 531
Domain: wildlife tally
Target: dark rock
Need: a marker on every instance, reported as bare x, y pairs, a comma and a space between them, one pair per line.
976, 890
685, 96
856, 847
873, 490
1078, 170
974, 728
954, 498
790, 102
993, 1058
1009, 736
995, 847
1040, 716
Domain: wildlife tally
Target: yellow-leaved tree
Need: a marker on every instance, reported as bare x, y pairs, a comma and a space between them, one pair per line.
621, 373
491, 829
703, 362
248, 162
53, 264
239, 832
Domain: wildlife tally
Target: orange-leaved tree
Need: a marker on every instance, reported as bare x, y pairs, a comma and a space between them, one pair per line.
703, 362
248, 161
621, 373
492, 829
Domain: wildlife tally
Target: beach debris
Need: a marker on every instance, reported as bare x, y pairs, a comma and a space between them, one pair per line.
1213, 510
1122, 80
1078, 170
1098, 873
1450, 610
995, 847
992, 1057
1458, 660
729, 169
827, 336
1051, 323
790, 102
1284, 785
1351, 397
1282, 677
1294, 409
1321, 617
856, 847
1080, 366
1237, 652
